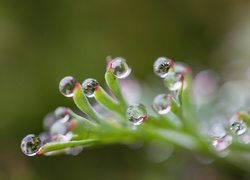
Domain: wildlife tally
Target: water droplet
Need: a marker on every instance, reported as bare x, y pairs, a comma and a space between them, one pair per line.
237, 126
89, 85
220, 144
244, 138
62, 114
31, 144
67, 85
48, 121
173, 81
62, 138
162, 103
162, 66
218, 131
120, 68
59, 128
136, 114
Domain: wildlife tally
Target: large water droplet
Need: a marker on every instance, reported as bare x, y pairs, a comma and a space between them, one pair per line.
136, 114
173, 81
120, 68
162, 103
220, 144
67, 85
31, 144
237, 126
162, 66
89, 85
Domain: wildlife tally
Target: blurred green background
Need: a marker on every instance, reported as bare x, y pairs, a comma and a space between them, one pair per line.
43, 41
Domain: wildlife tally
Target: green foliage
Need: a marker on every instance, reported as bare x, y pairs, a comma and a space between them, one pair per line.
179, 126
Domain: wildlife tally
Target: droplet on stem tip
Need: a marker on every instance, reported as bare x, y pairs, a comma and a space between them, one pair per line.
89, 86
136, 114
31, 144
173, 81
67, 85
120, 68
162, 103
162, 66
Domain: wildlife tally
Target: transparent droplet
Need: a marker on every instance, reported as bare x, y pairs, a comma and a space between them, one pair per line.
120, 68
220, 144
62, 138
136, 114
67, 85
62, 114
162, 103
244, 138
173, 81
237, 126
31, 144
162, 66
59, 128
217, 131
89, 85
48, 121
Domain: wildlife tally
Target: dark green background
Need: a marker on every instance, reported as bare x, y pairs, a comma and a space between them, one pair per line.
43, 41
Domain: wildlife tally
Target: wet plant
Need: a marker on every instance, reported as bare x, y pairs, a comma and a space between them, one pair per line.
175, 118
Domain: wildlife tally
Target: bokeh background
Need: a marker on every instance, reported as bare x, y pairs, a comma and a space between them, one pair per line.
43, 41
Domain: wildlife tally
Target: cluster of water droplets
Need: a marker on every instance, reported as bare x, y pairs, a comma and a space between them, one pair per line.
57, 128
223, 135
172, 75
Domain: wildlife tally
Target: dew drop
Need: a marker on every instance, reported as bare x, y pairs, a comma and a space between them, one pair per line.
67, 85
220, 144
136, 114
59, 128
162, 103
62, 114
89, 85
173, 81
245, 138
162, 66
237, 126
31, 144
120, 68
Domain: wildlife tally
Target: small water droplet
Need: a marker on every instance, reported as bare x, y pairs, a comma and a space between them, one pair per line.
244, 138
218, 131
237, 126
59, 128
136, 114
120, 68
220, 144
162, 103
62, 114
31, 144
173, 81
48, 121
89, 85
67, 85
162, 66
